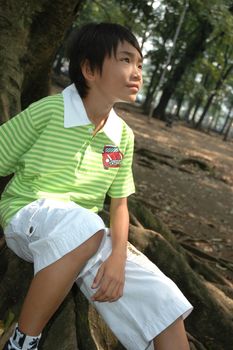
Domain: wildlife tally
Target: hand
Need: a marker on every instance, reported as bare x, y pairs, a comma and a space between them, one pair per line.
110, 279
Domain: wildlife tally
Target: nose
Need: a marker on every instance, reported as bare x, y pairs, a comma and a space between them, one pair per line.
137, 73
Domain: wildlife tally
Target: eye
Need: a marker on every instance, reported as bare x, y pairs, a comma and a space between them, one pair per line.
125, 59
140, 66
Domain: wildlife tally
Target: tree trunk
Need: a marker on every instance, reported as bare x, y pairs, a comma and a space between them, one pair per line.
228, 130
188, 111
180, 100
150, 91
216, 121
226, 120
31, 32
213, 123
219, 83
195, 111
193, 50
205, 110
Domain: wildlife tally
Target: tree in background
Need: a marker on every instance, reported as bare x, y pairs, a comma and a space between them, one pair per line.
192, 43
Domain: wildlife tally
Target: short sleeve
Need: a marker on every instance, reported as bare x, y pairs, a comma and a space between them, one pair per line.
19, 133
123, 184
16, 137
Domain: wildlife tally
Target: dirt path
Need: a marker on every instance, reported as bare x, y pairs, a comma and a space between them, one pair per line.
196, 204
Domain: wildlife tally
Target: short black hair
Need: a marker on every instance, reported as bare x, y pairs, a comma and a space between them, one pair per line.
93, 42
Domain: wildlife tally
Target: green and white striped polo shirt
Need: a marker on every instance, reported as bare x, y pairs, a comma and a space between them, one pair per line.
52, 152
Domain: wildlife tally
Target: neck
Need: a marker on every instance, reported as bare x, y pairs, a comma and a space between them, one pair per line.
97, 109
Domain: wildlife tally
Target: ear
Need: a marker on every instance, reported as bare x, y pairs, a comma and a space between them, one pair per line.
87, 71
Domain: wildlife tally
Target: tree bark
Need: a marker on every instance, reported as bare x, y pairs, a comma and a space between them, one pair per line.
31, 32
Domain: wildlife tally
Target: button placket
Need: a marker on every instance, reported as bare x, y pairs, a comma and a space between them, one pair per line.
82, 156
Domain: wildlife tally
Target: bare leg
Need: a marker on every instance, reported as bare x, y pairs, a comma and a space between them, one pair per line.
173, 337
50, 286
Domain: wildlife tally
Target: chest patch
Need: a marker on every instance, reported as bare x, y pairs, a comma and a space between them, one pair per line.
111, 156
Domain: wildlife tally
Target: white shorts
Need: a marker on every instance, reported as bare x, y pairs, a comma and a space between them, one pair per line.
45, 230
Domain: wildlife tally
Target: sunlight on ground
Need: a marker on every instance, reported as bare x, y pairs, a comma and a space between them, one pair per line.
192, 142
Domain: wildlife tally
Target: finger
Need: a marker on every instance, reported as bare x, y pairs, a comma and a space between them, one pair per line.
102, 294
113, 293
98, 277
105, 292
118, 294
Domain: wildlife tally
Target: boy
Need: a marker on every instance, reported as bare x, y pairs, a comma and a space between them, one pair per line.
67, 152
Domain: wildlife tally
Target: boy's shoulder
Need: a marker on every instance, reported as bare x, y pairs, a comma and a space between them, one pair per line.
51, 101
44, 109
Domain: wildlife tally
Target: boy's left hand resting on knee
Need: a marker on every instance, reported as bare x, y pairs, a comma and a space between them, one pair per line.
110, 277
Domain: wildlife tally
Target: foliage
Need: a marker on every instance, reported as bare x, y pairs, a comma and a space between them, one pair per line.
214, 58
133, 14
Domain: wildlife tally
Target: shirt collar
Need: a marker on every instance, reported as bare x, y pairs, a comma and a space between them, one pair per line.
75, 115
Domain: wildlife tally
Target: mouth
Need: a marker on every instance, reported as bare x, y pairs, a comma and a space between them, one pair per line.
133, 87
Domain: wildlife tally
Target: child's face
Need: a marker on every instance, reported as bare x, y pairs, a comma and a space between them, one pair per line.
121, 76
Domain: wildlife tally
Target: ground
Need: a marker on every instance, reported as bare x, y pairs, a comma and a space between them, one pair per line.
185, 176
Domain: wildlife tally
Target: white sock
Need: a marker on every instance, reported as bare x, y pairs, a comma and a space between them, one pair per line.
21, 341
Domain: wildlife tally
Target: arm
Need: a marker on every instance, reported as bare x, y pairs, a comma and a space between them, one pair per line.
111, 275
16, 137
119, 225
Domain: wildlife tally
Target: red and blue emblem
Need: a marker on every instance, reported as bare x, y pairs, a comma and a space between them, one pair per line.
111, 156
